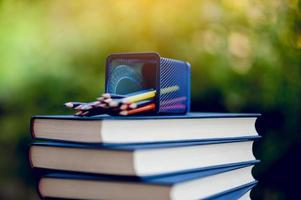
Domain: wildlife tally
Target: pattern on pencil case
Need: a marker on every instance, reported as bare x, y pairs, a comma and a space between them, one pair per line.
121, 71
173, 107
171, 77
170, 89
173, 101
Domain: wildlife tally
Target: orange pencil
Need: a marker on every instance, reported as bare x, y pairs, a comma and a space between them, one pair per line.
149, 107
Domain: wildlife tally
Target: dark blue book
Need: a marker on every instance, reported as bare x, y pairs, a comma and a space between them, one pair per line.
215, 183
139, 159
144, 129
242, 193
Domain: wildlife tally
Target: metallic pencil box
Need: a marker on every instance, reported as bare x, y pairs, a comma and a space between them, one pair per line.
132, 72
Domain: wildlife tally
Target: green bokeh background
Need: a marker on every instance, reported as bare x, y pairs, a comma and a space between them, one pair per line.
245, 57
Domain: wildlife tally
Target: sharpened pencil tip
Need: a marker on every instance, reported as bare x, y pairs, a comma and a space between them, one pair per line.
133, 106
106, 95
100, 98
124, 107
113, 104
78, 113
85, 113
79, 107
124, 113
69, 104
102, 105
108, 100
125, 101
86, 107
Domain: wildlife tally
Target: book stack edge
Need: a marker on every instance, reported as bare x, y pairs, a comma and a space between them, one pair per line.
193, 156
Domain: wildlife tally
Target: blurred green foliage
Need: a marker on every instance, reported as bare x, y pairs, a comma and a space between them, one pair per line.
245, 57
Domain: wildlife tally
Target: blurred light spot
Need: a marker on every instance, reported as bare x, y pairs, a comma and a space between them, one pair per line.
211, 41
211, 12
207, 40
240, 5
239, 45
256, 15
241, 66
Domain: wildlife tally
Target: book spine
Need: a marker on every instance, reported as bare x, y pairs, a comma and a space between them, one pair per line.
30, 157
38, 186
31, 127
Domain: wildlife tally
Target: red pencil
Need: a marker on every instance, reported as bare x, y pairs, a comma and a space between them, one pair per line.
149, 107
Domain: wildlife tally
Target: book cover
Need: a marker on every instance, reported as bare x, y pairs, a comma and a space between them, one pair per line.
165, 181
143, 129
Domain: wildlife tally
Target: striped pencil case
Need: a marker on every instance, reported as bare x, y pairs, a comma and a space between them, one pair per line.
133, 72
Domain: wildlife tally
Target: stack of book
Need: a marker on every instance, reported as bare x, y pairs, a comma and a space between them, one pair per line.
193, 156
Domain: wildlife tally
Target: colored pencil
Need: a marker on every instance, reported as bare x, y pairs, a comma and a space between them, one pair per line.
79, 107
133, 97
124, 106
73, 104
139, 97
92, 112
114, 104
86, 106
139, 92
113, 96
102, 105
140, 103
78, 113
100, 98
149, 107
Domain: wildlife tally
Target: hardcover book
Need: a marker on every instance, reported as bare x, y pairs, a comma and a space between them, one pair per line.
216, 183
144, 129
138, 160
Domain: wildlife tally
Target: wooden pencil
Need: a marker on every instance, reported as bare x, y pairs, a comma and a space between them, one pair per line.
86, 106
146, 108
93, 111
140, 103
78, 113
124, 106
133, 97
72, 104
113, 96
139, 97
108, 100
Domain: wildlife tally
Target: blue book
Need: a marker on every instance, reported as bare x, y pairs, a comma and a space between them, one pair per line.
144, 129
242, 193
215, 183
140, 160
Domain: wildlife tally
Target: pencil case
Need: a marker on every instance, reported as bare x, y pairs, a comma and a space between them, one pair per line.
132, 72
